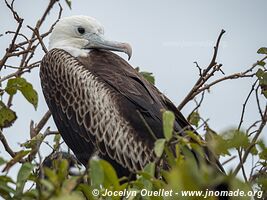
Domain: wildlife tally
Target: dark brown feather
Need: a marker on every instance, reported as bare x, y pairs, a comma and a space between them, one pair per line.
96, 102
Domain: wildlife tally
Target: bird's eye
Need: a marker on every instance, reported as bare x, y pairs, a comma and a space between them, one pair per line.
81, 30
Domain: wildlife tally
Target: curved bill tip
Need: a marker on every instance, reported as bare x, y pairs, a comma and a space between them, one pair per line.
128, 50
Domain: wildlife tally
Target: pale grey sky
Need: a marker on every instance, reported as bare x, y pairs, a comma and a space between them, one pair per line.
166, 37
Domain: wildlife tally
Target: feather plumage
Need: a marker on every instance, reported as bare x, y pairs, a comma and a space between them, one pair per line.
96, 102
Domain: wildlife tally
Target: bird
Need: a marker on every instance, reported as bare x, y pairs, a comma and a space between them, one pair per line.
100, 104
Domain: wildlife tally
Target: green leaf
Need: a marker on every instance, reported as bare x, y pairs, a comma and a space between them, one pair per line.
2, 161
22, 177
24, 87
7, 116
263, 154
63, 169
6, 179
150, 169
194, 118
231, 139
237, 139
149, 77
262, 77
261, 144
262, 50
96, 173
195, 137
146, 176
71, 196
68, 2
5, 188
168, 122
261, 63
57, 141
19, 155
47, 184
254, 151
159, 147
111, 178
259, 73
51, 174
216, 142
86, 190
31, 144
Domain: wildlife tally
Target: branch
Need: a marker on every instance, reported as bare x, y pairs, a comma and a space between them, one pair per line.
40, 125
6, 145
25, 51
36, 32
205, 76
201, 87
35, 130
11, 47
245, 104
253, 142
20, 72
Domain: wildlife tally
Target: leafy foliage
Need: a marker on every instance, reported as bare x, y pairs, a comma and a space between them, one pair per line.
15, 84
262, 50
194, 118
68, 2
57, 183
262, 77
7, 116
147, 75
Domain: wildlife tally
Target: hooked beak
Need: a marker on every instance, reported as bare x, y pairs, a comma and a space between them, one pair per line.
99, 42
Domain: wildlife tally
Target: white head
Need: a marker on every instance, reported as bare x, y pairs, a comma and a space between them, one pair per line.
78, 34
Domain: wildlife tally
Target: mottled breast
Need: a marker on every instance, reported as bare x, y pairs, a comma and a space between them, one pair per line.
86, 112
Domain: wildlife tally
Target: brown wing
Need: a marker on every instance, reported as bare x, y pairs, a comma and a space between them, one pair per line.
101, 103
136, 95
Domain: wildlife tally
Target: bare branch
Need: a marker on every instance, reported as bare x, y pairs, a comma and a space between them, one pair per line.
25, 51
36, 32
204, 75
258, 101
12, 45
35, 130
6, 145
19, 72
42, 122
245, 104
227, 161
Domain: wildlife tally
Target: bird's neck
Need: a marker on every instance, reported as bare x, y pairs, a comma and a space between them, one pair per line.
72, 47
75, 52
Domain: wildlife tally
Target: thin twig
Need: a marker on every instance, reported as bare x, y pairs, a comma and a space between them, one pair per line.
35, 130
11, 47
258, 101
202, 79
19, 72
228, 160
6, 145
245, 104
41, 124
253, 142
36, 32
198, 104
